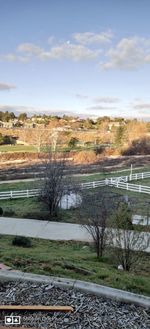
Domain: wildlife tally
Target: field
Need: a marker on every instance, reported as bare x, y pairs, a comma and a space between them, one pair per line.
33, 208
144, 182
83, 178
73, 259
56, 258
17, 148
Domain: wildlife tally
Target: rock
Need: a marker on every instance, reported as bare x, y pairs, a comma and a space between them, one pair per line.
4, 267
49, 287
85, 247
120, 267
90, 311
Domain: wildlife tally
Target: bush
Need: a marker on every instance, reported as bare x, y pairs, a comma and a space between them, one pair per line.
7, 140
109, 151
21, 241
9, 212
85, 157
1, 211
73, 142
139, 146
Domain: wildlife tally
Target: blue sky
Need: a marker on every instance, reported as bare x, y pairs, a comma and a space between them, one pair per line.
89, 57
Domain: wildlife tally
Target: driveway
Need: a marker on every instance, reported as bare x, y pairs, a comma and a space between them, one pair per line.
43, 229
47, 230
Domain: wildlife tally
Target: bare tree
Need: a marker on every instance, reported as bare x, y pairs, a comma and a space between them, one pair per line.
95, 212
55, 182
127, 240
41, 137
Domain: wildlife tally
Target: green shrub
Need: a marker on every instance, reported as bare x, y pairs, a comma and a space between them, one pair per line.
9, 212
21, 241
1, 211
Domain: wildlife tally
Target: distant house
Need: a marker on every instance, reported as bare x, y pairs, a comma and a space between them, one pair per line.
64, 128
8, 124
115, 124
29, 125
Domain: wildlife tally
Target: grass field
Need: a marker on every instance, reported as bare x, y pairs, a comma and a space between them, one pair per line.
33, 208
23, 185
144, 182
49, 258
80, 178
17, 148
99, 176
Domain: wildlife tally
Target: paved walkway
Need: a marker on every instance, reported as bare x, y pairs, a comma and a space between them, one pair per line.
23, 180
46, 230
43, 229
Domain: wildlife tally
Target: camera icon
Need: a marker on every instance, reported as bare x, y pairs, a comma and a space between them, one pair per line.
11, 320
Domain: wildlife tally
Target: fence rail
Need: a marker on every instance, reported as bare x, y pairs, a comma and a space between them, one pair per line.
131, 187
118, 182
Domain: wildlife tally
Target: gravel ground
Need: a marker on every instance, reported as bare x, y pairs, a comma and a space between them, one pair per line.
90, 312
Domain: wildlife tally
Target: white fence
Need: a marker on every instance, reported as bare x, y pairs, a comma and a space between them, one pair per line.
129, 178
35, 192
19, 194
118, 182
131, 187
94, 184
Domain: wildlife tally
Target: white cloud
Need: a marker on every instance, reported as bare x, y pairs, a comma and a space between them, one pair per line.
30, 49
14, 58
17, 109
129, 54
142, 106
147, 59
69, 51
87, 38
106, 100
30, 110
101, 107
5, 86
9, 57
65, 50
51, 39
81, 96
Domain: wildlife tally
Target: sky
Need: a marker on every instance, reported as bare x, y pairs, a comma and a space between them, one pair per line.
80, 57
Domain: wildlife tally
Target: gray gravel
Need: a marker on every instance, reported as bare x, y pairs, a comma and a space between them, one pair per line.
90, 312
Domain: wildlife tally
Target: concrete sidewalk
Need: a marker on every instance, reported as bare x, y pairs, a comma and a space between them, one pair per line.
83, 286
43, 229
48, 230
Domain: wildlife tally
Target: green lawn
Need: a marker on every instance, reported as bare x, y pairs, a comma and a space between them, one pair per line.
139, 201
33, 184
23, 185
144, 182
49, 258
17, 148
93, 177
24, 208
99, 176
33, 208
